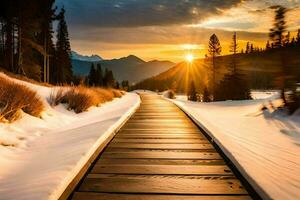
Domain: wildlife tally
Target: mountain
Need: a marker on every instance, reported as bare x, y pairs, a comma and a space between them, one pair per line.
260, 69
129, 68
92, 58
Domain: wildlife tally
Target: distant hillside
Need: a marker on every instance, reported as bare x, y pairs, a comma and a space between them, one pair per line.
260, 69
129, 68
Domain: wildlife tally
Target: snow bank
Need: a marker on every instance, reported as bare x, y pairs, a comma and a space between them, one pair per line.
44, 155
265, 146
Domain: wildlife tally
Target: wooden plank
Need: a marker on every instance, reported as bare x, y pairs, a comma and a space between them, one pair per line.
160, 146
162, 141
154, 134
162, 184
120, 196
160, 131
162, 155
159, 125
138, 117
205, 170
109, 161
114, 149
143, 136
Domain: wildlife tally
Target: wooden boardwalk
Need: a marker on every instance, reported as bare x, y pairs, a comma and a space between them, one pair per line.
160, 154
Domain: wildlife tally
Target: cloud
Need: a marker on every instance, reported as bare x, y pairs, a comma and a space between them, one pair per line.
134, 13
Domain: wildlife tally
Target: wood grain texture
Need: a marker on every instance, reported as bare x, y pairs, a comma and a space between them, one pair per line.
120, 196
159, 184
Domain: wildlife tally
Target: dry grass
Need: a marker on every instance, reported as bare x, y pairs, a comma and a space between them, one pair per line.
81, 98
24, 78
15, 98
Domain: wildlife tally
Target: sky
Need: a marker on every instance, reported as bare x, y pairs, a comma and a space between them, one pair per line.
169, 29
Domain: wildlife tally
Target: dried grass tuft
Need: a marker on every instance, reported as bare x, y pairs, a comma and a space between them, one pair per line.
15, 98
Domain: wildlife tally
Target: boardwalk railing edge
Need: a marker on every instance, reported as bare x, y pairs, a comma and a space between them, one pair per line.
254, 190
72, 185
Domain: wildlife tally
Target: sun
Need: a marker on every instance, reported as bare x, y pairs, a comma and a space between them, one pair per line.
189, 57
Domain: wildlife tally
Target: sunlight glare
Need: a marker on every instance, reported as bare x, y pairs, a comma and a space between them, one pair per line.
189, 57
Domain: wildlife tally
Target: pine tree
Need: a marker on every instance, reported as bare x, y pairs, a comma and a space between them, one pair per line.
233, 86
251, 48
109, 80
268, 46
125, 85
117, 85
92, 76
277, 36
192, 94
279, 27
205, 96
214, 50
248, 47
286, 40
298, 37
63, 51
99, 75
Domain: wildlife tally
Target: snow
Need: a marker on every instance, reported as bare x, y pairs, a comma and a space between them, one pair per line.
42, 156
264, 145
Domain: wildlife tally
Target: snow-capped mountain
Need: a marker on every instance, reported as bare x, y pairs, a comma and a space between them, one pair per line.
92, 58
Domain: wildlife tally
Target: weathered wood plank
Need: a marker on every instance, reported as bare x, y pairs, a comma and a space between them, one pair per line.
162, 155
143, 136
162, 184
160, 146
160, 131
110, 161
162, 141
157, 126
120, 196
207, 170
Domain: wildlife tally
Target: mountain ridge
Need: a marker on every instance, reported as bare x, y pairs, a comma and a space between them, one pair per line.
130, 68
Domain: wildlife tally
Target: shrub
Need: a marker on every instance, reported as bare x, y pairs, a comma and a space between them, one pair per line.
170, 94
15, 98
57, 96
81, 98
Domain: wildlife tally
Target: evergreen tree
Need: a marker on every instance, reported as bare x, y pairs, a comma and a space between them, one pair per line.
205, 96
192, 94
268, 46
248, 47
277, 36
117, 85
298, 37
99, 75
233, 86
214, 49
63, 70
279, 27
92, 77
109, 80
125, 85
251, 48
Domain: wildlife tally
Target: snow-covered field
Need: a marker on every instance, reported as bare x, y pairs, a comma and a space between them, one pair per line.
41, 156
264, 145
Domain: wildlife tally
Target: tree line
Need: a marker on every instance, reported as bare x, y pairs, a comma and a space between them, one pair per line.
26, 41
99, 78
234, 85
